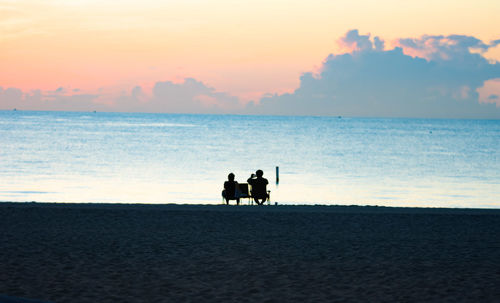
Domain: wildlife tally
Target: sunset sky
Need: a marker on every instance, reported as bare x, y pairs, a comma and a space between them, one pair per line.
231, 56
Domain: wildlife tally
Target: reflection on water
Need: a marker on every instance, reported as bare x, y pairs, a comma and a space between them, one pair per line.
161, 158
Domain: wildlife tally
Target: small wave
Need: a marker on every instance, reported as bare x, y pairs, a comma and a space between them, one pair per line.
125, 124
27, 192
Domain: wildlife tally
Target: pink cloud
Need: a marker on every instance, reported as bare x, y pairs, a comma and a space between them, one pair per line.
353, 41
490, 92
442, 48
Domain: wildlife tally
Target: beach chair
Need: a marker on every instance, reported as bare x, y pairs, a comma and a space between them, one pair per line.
268, 197
245, 192
242, 192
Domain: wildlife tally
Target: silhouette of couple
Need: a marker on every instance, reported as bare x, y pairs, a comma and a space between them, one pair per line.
259, 188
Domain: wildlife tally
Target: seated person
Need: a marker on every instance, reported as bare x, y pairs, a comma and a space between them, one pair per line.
231, 189
259, 187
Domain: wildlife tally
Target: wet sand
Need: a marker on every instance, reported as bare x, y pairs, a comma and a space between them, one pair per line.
180, 253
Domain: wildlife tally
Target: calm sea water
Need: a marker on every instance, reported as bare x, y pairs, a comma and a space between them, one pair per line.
165, 158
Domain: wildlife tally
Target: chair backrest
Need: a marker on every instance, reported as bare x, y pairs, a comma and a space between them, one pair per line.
244, 193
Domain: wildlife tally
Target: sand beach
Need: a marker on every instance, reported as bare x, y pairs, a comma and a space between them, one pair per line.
203, 253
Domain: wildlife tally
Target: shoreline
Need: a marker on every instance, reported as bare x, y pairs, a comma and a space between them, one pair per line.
245, 207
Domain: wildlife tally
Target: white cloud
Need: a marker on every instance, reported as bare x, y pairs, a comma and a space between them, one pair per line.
353, 41
441, 80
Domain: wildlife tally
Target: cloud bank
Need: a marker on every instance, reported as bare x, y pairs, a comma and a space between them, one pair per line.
429, 77
59, 99
191, 96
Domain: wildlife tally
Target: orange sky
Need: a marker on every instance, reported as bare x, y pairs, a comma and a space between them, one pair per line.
245, 48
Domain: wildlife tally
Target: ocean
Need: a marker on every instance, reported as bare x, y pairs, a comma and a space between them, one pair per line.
181, 158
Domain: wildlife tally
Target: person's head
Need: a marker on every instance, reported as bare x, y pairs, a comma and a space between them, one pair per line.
259, 173
230, 177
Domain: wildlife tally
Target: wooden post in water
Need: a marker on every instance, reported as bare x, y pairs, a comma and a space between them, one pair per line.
277, 175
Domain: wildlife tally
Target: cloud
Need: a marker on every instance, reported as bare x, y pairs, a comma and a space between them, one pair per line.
446, 48
353, 41
490, 92
440, 80
190, 96
11, 98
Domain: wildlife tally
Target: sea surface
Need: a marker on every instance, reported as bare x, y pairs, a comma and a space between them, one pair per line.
175, 158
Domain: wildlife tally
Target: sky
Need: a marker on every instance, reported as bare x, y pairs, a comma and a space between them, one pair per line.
430, 59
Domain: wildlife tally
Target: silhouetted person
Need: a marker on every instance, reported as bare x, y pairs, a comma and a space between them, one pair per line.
259, 187
231, 189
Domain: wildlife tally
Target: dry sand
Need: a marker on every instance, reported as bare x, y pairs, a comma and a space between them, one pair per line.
176, 253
